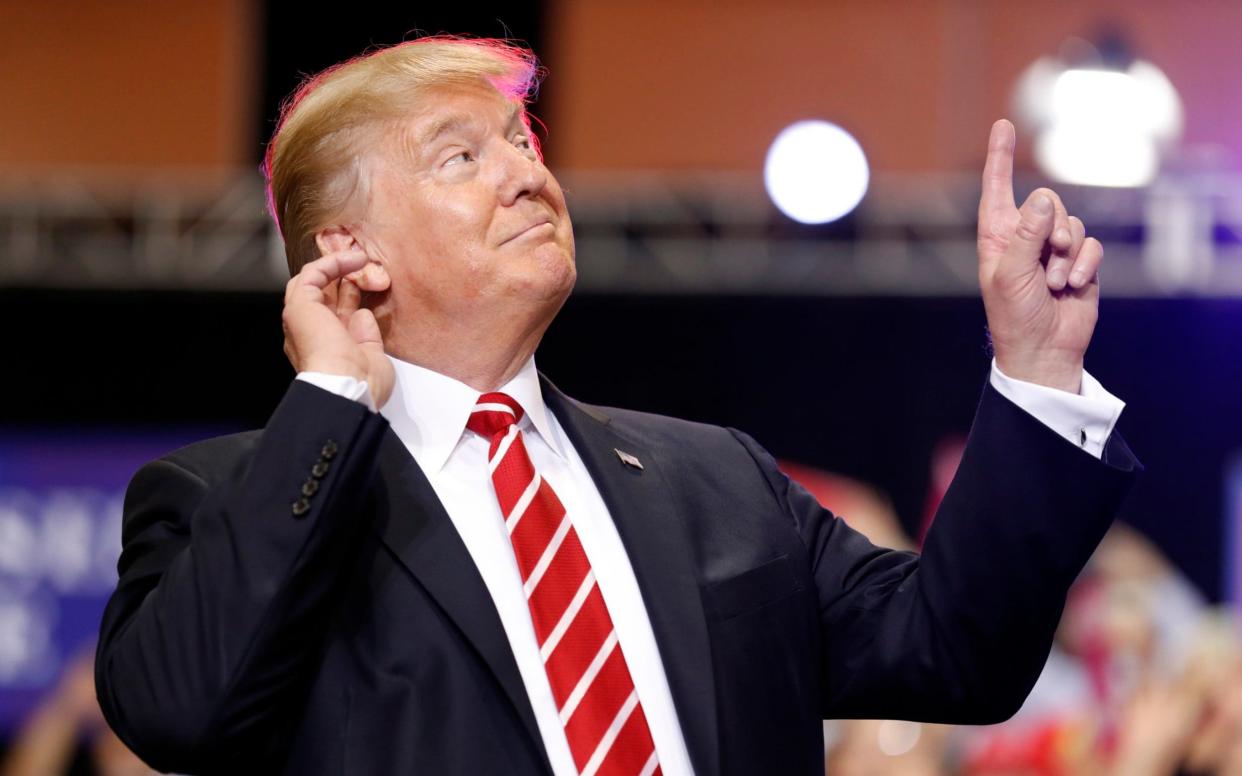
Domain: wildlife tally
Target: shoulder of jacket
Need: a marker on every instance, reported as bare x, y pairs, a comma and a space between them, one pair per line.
666, 430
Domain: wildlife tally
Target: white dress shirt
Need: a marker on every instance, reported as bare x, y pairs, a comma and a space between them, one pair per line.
428, 413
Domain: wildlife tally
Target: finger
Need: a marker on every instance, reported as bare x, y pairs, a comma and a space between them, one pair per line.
289, 286
1035, 220
1062, 236
325, 269
997, 198
315, 282
364, 328
1078, 231
1059, 262
348, 300
1087, 266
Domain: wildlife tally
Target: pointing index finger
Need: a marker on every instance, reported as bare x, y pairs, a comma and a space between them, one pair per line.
998, 171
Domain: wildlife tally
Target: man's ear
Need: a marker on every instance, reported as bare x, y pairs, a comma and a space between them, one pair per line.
334, 239
373, 276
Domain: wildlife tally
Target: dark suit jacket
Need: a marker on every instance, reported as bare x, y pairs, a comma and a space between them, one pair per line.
358, 638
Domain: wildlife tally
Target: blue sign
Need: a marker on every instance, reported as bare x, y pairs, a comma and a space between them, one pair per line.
61, 497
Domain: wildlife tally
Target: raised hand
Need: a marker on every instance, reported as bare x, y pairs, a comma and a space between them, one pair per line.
326, 329
1038, 272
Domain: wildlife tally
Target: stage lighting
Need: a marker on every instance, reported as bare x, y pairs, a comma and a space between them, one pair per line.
815, 172
1099, 123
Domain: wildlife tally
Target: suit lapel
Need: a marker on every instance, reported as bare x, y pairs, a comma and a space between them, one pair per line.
412, 523
661, 555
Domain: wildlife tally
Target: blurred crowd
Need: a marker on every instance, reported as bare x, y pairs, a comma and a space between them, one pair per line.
1145, 679
66, 734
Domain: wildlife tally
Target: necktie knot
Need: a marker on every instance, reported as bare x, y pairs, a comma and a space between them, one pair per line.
494, 412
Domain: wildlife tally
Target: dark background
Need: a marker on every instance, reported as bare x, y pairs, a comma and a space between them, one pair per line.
865, 387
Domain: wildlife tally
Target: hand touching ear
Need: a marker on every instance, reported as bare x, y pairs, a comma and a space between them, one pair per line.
326, 329
1038, 272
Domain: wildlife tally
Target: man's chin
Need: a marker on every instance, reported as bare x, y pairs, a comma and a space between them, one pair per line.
551, 270
552, 290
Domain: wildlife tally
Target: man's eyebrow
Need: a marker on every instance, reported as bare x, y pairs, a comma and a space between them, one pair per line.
445, 125
460, 121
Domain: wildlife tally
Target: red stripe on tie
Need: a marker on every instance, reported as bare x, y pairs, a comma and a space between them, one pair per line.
631, 749
604, 723
556, 589
578, 646
609, 690
537, 527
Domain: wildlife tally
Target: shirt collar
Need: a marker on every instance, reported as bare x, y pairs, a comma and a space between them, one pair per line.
428, 410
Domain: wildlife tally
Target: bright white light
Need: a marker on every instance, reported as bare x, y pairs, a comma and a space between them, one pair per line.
1100, 127
1094, 156
815, 172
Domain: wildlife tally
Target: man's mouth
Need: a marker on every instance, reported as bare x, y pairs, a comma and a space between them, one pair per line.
528, 229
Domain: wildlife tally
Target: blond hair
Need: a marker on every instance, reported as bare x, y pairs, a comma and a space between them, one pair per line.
312, 161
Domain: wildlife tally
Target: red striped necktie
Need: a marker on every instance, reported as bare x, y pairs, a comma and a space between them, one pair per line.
604, 722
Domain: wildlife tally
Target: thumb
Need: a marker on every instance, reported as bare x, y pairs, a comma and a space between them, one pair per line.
1030, 236
364, 329
366, 332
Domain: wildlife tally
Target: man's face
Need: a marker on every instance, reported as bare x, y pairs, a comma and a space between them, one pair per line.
464, 216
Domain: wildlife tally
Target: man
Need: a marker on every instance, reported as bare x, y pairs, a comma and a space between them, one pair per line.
488, 577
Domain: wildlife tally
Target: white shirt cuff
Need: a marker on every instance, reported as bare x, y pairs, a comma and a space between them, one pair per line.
341, 385
1086, 419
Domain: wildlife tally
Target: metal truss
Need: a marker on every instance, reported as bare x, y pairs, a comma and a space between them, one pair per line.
178, 232
636, 234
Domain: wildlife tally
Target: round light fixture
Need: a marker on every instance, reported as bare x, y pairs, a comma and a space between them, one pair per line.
815, 172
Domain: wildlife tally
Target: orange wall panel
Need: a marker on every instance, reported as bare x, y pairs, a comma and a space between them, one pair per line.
132, 83
694, 84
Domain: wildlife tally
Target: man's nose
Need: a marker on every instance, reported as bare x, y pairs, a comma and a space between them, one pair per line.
522, 175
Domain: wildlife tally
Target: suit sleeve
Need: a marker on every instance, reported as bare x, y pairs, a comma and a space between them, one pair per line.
227, 576
961, 633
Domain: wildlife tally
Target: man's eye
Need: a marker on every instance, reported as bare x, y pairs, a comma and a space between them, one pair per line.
464, 156
523, 142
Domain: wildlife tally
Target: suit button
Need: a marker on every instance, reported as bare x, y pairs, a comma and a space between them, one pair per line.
310, 488
329, 450
319, 469
301, 507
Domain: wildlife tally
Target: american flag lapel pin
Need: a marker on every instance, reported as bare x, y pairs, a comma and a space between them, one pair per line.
628, 459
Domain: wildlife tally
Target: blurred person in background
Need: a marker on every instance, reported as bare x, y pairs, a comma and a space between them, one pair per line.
1145, 680
863, 507
432, 560
68, 720
1141, 680
872, 747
